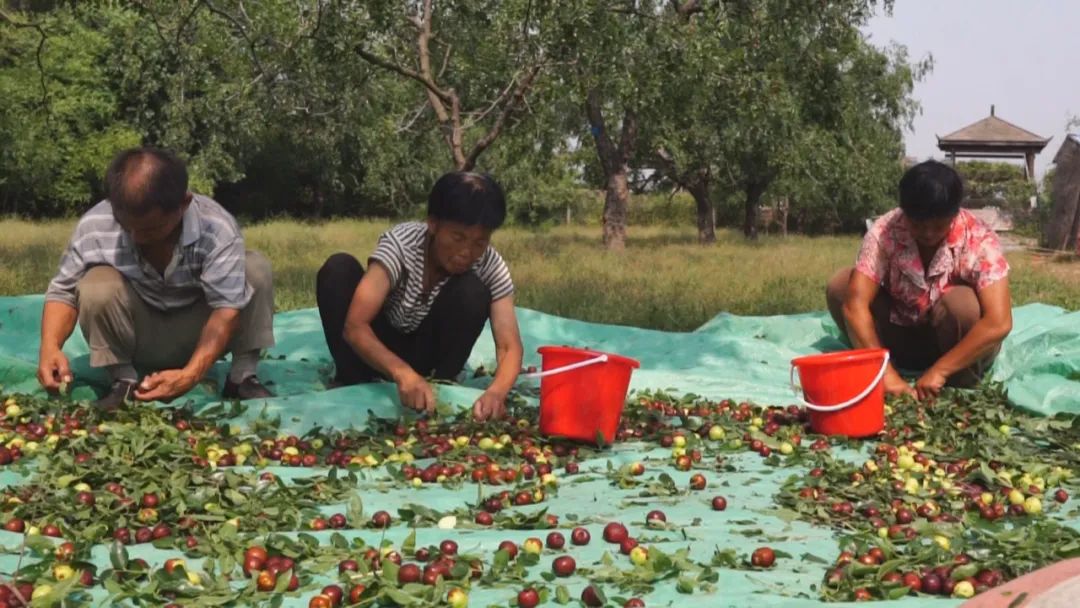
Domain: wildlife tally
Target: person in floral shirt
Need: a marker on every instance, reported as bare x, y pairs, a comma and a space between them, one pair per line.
930, 284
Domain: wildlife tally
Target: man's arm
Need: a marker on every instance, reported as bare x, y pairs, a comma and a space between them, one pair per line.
508, 355
214, 339
367, 301
987, 333
861, 330
60, 314
57, 322
227, 292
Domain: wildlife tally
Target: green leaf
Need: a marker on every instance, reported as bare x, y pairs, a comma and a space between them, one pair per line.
38, 543
897, 593
354, 513
65, 480
390, 571
500, 561
684, 585
400, 597
562, 595
339, 541
228, 532
408, 547
961, 572
118, 556
283, 580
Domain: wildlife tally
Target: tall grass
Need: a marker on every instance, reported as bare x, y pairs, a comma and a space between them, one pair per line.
663, 280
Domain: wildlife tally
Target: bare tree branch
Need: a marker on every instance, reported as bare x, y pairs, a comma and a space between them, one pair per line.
445, 60
158, 29
444, 100
451, 123
416, 116
37, 55
242, 31
508, 108
185, 20
595, 112
669, 167
403, 71
449, 118
475, 118
320, 5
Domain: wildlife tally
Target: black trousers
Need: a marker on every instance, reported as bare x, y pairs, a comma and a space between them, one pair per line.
438, 348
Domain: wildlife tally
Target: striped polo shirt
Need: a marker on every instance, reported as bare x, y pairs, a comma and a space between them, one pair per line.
401, 250
208, 263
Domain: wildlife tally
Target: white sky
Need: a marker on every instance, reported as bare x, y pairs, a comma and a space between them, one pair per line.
1023, 56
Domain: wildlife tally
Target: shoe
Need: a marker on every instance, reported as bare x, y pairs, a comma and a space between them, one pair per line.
121, 392
250, 388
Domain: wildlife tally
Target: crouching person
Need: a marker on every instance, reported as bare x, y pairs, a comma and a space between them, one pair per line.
930, 285
160, 283
428, 290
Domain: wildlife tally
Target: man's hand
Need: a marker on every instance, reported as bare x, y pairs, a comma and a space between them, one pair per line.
53, 370
416, 393
930, 384
896, 385
490, 406
165, 385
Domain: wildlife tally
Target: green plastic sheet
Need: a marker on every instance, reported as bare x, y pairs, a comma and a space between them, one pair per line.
728, 357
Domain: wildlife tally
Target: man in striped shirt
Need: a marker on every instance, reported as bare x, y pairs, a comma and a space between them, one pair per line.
428, 291
159, 281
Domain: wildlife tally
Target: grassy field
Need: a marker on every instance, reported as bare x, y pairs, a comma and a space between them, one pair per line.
664, 280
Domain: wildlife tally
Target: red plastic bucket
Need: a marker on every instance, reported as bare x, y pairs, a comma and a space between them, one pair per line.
582, 392
844, 391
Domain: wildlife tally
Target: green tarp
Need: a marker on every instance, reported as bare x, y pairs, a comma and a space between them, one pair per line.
728, 357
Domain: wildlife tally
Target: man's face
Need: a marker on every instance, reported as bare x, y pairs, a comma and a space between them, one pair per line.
929, 234
456, 246
155, 227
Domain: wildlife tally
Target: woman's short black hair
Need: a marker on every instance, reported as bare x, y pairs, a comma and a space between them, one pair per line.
473, 199
931, 190
139, 179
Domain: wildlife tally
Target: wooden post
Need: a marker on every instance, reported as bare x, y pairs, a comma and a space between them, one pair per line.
1030, 157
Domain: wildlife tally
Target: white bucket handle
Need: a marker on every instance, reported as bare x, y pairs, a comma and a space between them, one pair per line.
567, 368
850, 402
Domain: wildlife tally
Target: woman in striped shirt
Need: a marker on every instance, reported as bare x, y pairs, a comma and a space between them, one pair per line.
428, 290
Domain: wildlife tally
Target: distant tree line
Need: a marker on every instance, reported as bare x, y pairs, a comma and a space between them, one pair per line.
328, 107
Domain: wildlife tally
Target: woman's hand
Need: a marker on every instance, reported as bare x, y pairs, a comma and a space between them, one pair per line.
416, 393
896, 385
930, 384
490, 406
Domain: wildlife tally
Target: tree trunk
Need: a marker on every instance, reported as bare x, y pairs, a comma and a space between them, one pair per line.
614, 158
706, 216
754, 190
616, 206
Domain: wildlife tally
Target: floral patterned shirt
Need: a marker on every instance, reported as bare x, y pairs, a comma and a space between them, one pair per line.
970, 255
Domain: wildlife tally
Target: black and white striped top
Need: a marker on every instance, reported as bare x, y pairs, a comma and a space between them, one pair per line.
401, 250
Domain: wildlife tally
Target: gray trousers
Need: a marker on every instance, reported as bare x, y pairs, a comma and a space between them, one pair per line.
121, 328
